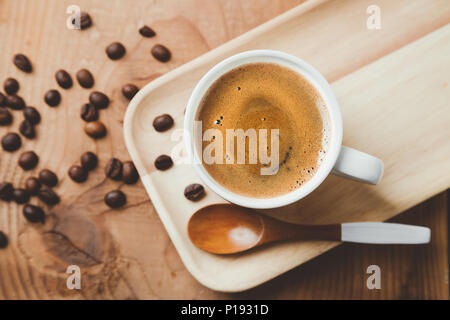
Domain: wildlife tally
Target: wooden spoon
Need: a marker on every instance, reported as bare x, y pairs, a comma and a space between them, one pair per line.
227, 228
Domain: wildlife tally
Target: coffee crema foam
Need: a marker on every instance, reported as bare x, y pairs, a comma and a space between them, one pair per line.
267, 96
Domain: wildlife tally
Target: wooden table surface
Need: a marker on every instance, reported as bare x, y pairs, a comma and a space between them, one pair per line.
127, 253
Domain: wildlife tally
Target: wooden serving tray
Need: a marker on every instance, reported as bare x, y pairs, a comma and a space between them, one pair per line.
393, 89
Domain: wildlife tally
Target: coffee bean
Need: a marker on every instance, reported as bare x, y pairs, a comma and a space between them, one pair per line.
115, 51
5, 117
32, 114
163, 122
85, 20
28, 160
52, 98
88, 112
11, 142
163, 162
147, 32
32, 185
64, 79
129, 173
78, 173
48, 178
113, 169
21, 196
85, 78
3, 240
194, 192
161, 53
48, 196
23, 63
11, 86
6, 191
15, 102
115, 199
33, 214
2, 100
89, 160
129, 91
26, 128
99, 100
95, 129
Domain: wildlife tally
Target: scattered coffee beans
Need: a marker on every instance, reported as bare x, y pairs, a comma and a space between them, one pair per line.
129, 173
88, 112
89, 161
99, 100
22, 62
5, 117
129, 91
163, 162
52, 98
11, 142
194, 192
31, 114
161, 53
2, 100
85, 78
147, 32
21, 196
113, 169
15, 102
28, 160
11, 86
85, 20
115, 199
64, 79
95, 129
78, 173
32, 185
163, 122
33, 214
115, 51
48, 178
3, 240
6, 191
26, 128
48, 196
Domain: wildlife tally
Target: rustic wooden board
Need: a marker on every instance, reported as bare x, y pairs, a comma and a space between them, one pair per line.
384, 115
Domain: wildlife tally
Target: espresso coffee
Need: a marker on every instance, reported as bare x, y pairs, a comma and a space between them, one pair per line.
264, 96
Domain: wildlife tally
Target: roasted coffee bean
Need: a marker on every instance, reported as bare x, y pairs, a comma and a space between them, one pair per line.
6, 191
163, 162
48, 178
52, 98
3, 240
85, 20
95, 129
129, 173
21, 196
15, 102
99, 100
129, 91
147, 32
28, 160
89, 160
161, 53
11, 142
23, 63
194, 192
64, 79
2, 100
85, 78
115, 51
78, 173
88, 112
115, 199
48, 196
11, 86
163, 122
5, 117
33, 214
31, 114
26, 128
32, 185
113, 169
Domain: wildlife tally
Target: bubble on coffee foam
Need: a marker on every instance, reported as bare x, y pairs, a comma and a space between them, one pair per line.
324, 113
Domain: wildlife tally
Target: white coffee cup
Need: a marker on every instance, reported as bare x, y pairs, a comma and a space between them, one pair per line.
339, 160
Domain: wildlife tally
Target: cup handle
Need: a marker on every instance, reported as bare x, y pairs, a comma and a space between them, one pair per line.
359, 166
